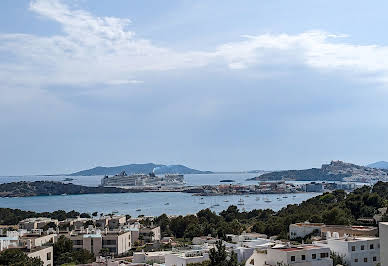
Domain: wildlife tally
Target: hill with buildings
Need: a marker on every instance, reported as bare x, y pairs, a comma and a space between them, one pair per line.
335, 171
140, 168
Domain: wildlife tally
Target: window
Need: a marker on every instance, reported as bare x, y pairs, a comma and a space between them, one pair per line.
365, 259
292, 258
49, 256
109, 242
362, 247
303, 257
314, 256
77, 242
353, 248
371, 246
374, 258
324, 255
355, 260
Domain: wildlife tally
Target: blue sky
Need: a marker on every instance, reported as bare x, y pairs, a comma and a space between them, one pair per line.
215, 85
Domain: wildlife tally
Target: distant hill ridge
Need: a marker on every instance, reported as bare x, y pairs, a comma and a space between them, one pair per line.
379, 165
335, 171
140, 168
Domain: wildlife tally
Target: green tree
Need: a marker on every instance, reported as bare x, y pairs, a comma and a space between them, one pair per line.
219, 257
16, 257
338, 259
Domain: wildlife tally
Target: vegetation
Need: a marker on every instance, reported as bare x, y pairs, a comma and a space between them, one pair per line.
46, 188
16, 257
64, 253
338, 259
335, 208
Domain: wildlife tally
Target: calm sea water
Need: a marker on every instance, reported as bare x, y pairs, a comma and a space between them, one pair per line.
148, 203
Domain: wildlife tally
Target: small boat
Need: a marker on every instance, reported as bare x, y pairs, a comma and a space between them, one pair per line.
240, 202
114, 212
257, 198
226, 200
247, 196
284, 197
138, 210
64, 194
167, 203
216, 205
267, 200
294, 196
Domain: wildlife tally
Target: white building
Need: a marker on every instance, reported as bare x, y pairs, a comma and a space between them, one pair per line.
150, 257
303, 255
361, 251
383, 243
303, 229
184, 258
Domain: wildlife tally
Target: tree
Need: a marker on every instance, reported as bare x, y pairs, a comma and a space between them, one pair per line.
338, 259
219, 257
16, 257
61, 247
94, 214
64, 253
85, 215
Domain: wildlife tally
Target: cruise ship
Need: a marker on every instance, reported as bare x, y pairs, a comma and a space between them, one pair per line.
141, 180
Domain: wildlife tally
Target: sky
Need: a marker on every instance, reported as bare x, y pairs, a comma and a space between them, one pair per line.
214, 85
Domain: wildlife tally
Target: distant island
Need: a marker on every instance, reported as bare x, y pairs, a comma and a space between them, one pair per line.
379, 165
335, 171
47, 188
140, 168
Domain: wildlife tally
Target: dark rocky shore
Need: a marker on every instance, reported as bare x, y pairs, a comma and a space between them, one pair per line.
46, 188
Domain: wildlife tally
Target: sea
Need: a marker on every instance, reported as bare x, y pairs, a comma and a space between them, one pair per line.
149, 203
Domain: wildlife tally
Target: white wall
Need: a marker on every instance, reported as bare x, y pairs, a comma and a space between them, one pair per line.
383, 243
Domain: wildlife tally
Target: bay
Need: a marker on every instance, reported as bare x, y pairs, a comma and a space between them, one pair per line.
151, 203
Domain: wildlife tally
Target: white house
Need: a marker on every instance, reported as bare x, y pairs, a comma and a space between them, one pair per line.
303, 255
383, 243
303, 229
184, 258
360, 251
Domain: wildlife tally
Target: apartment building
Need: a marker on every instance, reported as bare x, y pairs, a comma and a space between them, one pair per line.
36, 223
303, 255
360, 251
116, 221
116, 242
383, 228
44, 253
150, 234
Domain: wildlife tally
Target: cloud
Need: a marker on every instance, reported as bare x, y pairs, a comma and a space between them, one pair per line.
102, 50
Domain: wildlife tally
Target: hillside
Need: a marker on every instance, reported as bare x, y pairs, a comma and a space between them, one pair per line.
140, 168
46, 188
379, 165
335, 171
